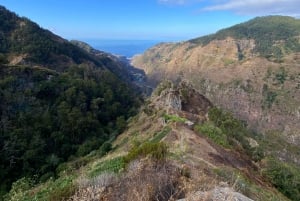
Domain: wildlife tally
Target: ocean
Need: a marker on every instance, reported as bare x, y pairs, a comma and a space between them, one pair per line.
127, 48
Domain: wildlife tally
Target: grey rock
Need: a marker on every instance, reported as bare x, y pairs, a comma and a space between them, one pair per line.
217, 194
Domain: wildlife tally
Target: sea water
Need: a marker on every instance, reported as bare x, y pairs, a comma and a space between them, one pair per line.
127, 48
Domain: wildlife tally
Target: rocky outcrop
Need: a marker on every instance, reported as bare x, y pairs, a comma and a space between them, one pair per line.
182, 98
171, 99
217, 194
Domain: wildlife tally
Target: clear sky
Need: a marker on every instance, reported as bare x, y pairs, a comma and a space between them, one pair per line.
145, 19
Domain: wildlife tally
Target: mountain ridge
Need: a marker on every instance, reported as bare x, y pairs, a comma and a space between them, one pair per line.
263, 90
69, 129
265, 31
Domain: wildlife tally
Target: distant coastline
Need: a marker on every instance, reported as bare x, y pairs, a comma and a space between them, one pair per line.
127, 48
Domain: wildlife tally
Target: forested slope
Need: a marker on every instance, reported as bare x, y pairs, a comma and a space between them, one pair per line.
57, 101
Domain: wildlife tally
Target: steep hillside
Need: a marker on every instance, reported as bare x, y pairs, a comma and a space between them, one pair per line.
251, 69
179, 147
57, 101
274, 36
24, 42
119, 65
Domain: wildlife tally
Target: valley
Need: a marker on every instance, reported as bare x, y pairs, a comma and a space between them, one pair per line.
211, 118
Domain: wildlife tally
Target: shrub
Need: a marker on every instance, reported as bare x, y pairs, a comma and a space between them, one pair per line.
112, 165
160, 135
18, 190
157, 151
162, 86
281, 76
88, 146
227, 130
62, 189
269, 97
105, 148
214, 133
174, 118
285, 177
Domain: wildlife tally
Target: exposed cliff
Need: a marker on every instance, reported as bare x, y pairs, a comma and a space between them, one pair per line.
251, 69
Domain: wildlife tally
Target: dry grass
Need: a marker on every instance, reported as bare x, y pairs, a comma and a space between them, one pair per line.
147, 180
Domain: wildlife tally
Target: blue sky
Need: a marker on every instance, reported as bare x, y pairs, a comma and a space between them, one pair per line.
145, 19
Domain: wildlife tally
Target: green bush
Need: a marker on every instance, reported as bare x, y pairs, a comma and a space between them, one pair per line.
269, 96
235, 131
63, 191
52, 190
18, 190
285, 177
281, 75
156, 151
88, 146
213, 133
165, 84
174, 118
105, 148
160, 135
112, 165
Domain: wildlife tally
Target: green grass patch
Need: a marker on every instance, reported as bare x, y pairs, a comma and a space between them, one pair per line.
214, 133
156, 151
160, 135
240, 183
53, 190
112, 165
285, 177
174, 118
227, 61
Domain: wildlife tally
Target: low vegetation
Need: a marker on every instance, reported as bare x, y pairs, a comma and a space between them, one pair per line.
246, 186
156, 151
114, 165
160, 135
229, 132
52, 190
284, 176
173, 118
213, 133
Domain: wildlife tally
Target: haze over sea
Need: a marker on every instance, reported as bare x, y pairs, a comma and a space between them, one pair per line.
127, 48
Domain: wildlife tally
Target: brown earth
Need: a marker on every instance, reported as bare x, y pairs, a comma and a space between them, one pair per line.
262, 92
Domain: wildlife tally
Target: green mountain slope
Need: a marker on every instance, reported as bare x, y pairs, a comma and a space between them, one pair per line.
24, 42
179, 146
273, 35
119, 65
57, 101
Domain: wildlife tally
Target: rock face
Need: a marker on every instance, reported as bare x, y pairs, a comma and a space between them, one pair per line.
217, 194
171, 99
181, 98
261, 90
